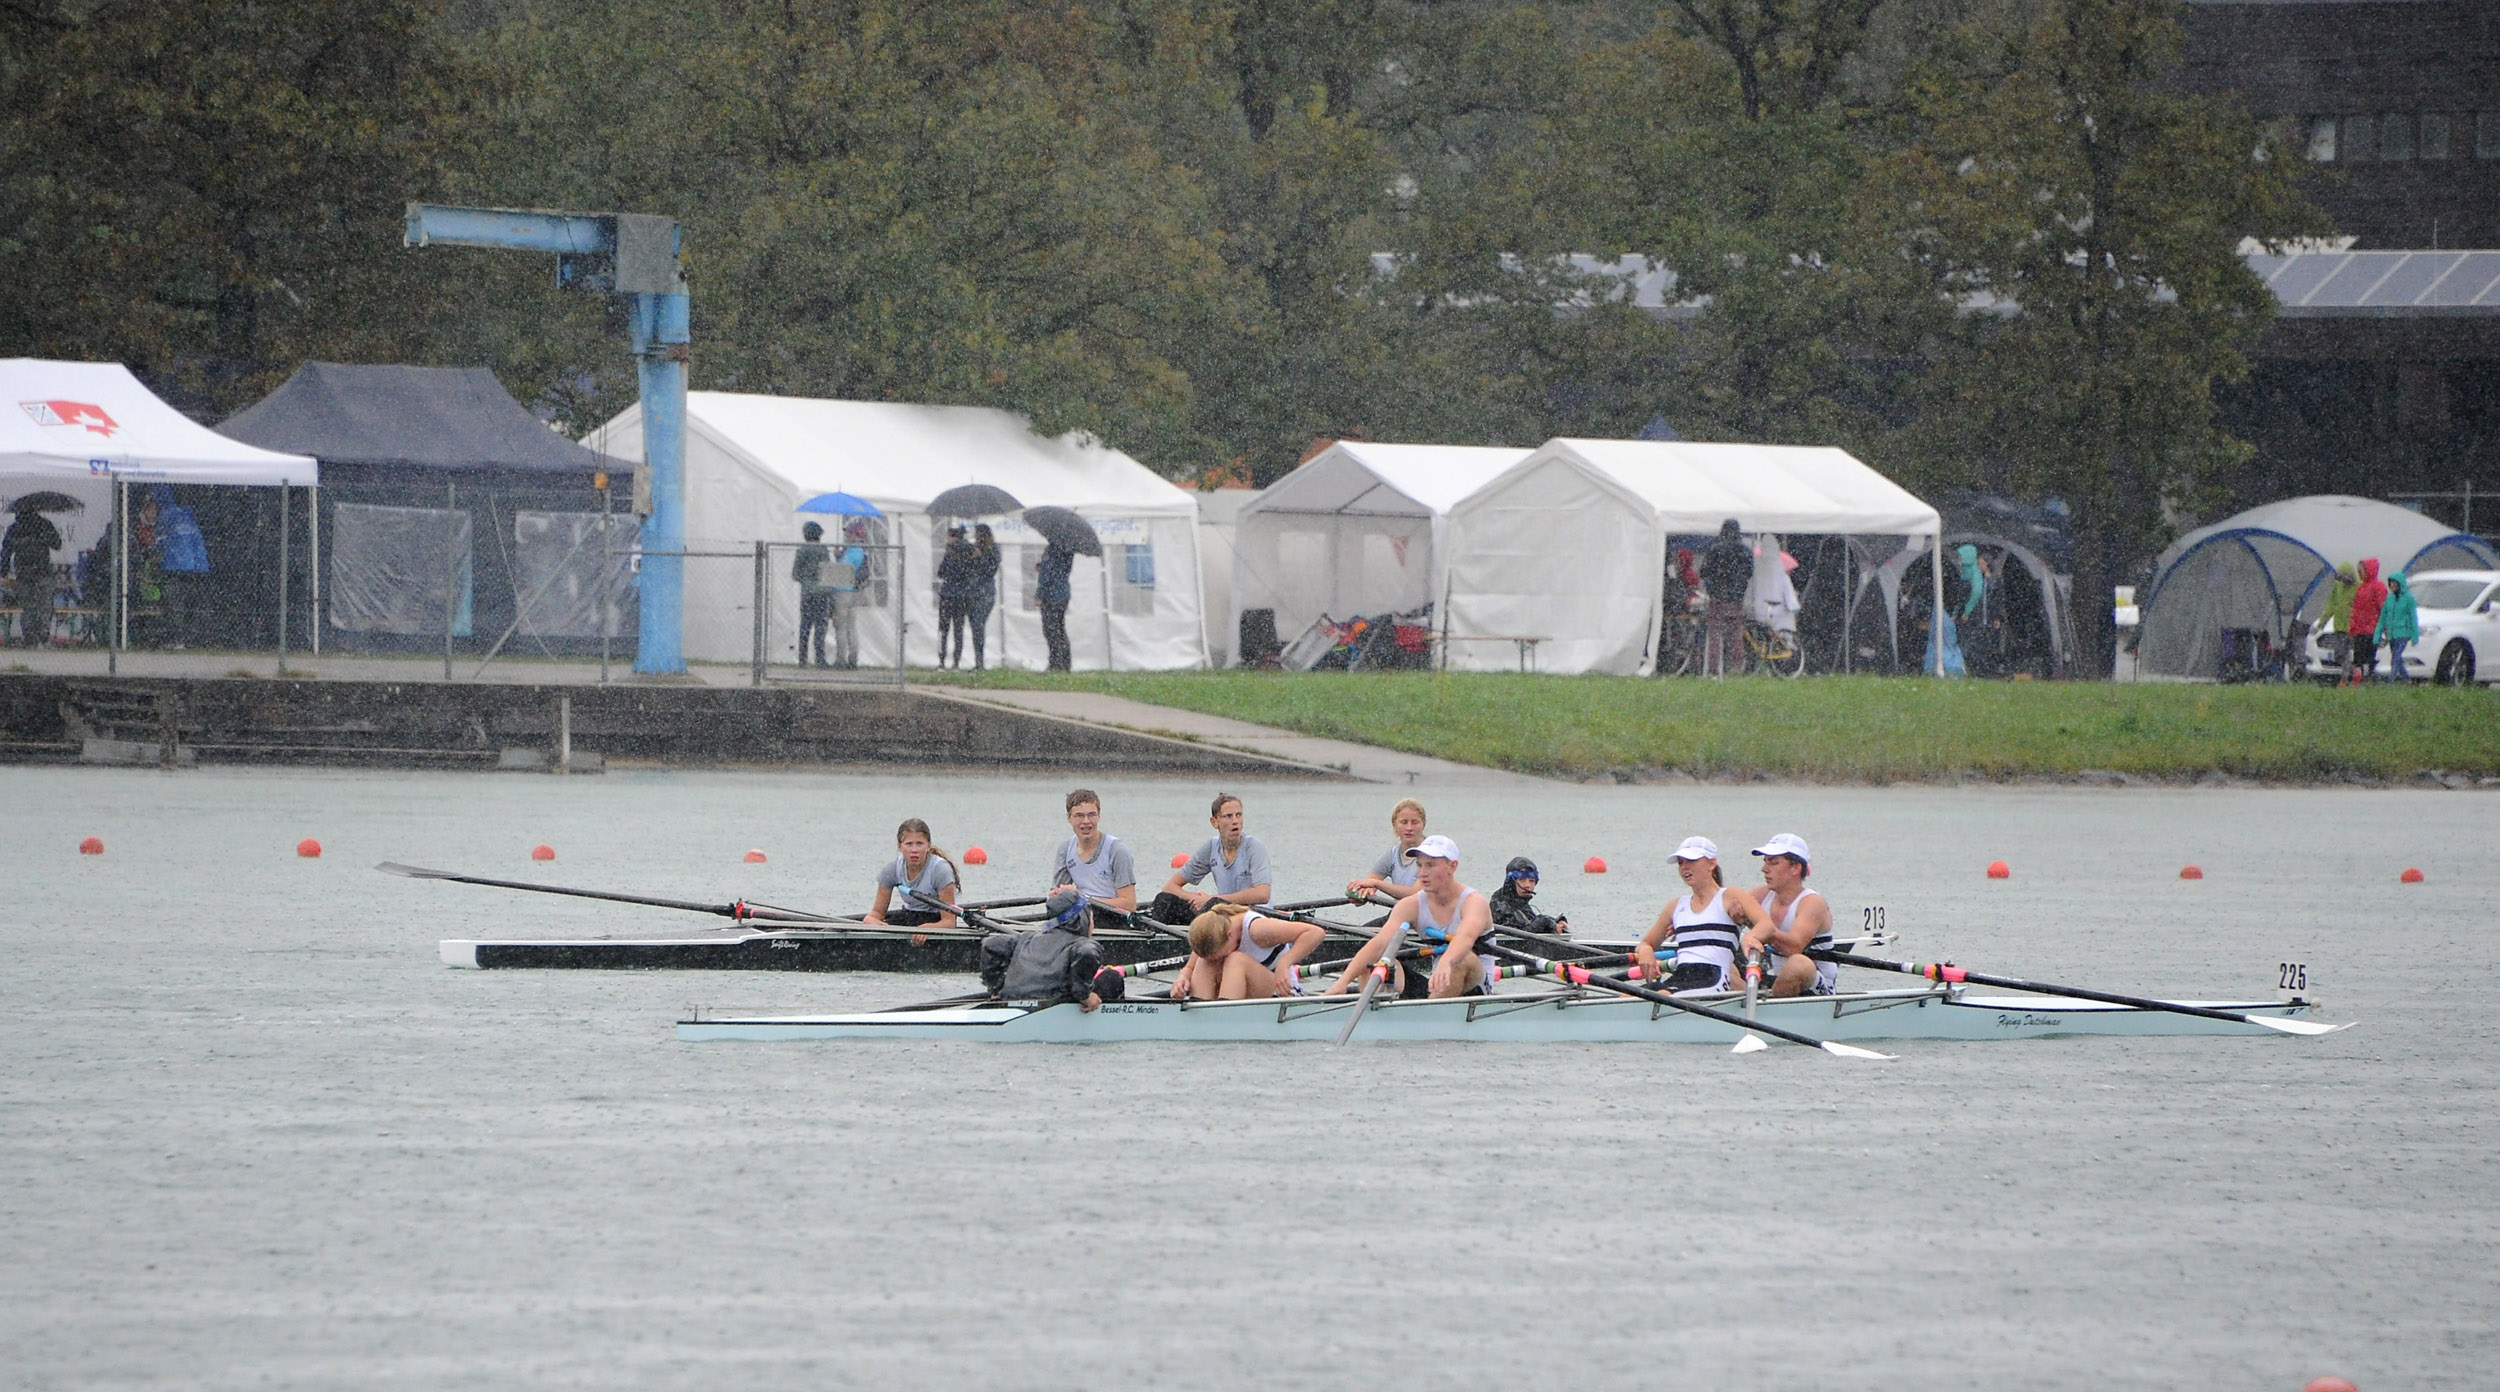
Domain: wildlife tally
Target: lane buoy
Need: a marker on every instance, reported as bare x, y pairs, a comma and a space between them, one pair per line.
93, 845
1179, 859
2190, 872
542, 853
2410, 876
308, 848
1596, 866
755, 857
974, 855
2330, 1384
1999, 870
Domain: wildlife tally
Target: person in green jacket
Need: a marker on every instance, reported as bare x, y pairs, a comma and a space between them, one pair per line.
2399, 623
2335, 616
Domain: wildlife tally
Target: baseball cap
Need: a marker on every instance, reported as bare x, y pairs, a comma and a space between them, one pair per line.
1787, 843
1438, 847
1697, 848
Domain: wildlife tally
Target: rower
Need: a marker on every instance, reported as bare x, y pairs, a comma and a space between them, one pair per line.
1055, 964
1238, 953
1393, 875
1795, 919
1093, 861
1234, 858
922, 875
1450, 921
1705, 937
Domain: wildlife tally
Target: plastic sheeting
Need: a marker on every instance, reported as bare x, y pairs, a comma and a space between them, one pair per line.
390, 566
573, 573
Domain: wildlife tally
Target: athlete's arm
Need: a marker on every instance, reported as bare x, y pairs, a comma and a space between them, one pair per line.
1371, 952
885, 900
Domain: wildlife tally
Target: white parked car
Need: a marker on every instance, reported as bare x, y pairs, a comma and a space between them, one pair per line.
2460, 615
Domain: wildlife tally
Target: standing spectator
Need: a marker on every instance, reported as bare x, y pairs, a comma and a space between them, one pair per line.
842, 578
2334, 624
982, 594
1051, 590
2399, 623
26, 554
181, 563
2367, 601
815, 601
954, 594
1726, 568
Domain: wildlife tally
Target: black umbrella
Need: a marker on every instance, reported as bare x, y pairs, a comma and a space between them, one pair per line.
974, 500
1064, 529
47, 501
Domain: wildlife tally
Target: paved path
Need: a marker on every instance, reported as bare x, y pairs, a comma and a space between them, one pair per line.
1369, 763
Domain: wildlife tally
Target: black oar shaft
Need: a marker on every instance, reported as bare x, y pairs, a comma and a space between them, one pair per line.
733, 910
1947, 972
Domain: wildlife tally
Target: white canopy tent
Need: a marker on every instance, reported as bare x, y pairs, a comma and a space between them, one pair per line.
1359, 528
1569, 545
751, 460
1219, 514
80, 428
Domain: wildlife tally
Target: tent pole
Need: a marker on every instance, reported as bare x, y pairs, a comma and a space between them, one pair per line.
312, 521
607, 590
451, 566
286, 497
119, 633
1935, 623
1105, 558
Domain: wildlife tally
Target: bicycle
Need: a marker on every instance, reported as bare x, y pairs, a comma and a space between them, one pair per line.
1682, 636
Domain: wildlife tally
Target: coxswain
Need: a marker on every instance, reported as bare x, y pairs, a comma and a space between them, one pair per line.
1393, 875
1511, 907
1239, 953
1705, 936
1235, 861
1093, 861
1450, 922
1054, 964
1794, 918
921, 876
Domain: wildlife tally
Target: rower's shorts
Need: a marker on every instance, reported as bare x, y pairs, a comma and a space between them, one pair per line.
1419, 982
910, 918
1689, 977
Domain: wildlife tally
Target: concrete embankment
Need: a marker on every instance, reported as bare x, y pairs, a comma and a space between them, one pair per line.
182, 720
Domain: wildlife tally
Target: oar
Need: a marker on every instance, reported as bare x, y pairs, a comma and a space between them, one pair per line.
1581, 976
1753, 981
739, 910
1371, 984
1000, 904
1946, 971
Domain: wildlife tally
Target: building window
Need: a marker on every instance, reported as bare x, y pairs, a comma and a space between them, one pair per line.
2435, 136
2322, 139
2358, 139
1132, 579
2395, 138
2487, 135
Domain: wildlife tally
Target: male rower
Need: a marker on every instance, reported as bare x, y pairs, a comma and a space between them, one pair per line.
1096, 863
1235, 860
1450, 922
1794, 918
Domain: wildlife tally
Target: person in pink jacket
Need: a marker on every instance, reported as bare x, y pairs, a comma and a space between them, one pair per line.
2366, 602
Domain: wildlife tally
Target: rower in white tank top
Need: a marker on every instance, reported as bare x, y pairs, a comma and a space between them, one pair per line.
1785, 898
1705, 937
1706, 923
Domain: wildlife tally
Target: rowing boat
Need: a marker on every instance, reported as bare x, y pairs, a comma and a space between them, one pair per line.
1563, 1016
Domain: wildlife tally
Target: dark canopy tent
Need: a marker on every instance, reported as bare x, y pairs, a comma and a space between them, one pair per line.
444, 497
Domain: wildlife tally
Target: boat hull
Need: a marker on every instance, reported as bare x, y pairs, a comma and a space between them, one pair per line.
1549, 1018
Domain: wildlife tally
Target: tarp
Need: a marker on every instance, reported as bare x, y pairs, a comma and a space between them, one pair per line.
1358, 529
1569, 545
450, 418
2268, 567
751, 460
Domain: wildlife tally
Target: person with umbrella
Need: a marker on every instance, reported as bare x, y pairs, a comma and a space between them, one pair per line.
815, 601
850, 566
1067, 535
982, 595
26, 554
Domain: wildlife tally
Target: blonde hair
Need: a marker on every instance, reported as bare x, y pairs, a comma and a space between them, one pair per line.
1212, 933
1405, 804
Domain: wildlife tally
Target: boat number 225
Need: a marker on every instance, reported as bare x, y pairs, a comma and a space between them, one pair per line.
2291, 976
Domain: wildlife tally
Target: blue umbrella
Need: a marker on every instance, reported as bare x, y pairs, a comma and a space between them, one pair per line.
842, 505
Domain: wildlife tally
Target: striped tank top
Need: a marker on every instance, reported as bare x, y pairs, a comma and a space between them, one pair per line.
1705, 937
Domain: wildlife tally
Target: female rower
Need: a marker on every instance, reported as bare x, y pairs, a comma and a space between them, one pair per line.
1705, 922
925, 877
1393, 875
1239, 953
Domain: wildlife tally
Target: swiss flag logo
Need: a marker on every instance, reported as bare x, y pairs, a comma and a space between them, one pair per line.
72, 413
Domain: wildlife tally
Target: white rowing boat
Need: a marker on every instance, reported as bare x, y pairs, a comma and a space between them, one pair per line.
1562, 1016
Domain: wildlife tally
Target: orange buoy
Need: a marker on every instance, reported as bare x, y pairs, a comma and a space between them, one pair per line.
2190, 872
2410, 876
93, 845
1999, 870
542, 853
2330, 1384
1179, 859
308, 848
974, 855
755, 857
1596, 866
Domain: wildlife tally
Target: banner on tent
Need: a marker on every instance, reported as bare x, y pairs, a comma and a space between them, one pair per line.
392, 568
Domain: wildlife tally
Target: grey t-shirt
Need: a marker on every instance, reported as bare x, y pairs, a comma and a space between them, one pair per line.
934, 877
1394, 867
1111, 870
1249, 865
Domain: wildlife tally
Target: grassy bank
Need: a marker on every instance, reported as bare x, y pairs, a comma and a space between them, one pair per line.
1849, 728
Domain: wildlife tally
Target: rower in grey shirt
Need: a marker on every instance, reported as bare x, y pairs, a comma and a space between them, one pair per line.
1094, 861
1237, 862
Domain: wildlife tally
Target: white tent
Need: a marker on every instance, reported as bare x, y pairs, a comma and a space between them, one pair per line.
1569, 545
1358, 529
1219, 514
751, 460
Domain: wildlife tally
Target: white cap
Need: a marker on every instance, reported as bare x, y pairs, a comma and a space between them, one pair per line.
1787, 843
1697, 848
1438, 847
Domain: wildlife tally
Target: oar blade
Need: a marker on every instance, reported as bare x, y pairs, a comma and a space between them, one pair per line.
414, 872
1852, 1051
2304, 1027
1750, 1044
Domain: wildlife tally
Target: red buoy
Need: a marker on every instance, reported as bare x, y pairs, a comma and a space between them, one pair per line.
2330, 1384
755, 857
974, 855
1596, 866
2190, 872
542, 853
308, 848
1999, 870
93, 845
1179, 859
2410, 876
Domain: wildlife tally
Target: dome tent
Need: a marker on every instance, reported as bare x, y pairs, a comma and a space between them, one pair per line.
2267, 568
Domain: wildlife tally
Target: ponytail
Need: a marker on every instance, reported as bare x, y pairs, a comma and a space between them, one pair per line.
1210, 931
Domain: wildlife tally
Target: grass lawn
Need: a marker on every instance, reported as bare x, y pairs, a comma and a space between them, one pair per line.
1870, 729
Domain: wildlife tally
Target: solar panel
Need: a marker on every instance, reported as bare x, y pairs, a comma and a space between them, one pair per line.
2303, 274
2414, 273
2475, 282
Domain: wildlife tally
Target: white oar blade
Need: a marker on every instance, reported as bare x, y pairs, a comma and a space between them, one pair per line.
2299, 1026
1851, 1051
1750, 1044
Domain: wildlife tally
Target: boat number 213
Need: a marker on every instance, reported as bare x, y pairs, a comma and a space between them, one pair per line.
2291, 976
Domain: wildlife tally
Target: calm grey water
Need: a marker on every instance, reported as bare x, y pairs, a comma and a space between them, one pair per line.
252, 1135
